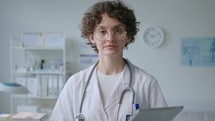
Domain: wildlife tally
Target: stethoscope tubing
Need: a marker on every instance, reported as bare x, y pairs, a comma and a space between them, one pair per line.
85, 88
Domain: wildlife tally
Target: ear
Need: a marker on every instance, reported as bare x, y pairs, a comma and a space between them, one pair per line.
91, 38
128, 40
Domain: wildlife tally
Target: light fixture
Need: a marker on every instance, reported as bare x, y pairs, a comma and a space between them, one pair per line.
13, 88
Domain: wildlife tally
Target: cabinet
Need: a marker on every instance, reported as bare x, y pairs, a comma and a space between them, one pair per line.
43, 70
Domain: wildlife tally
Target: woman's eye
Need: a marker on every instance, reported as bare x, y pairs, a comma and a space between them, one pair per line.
117, 31
102, 32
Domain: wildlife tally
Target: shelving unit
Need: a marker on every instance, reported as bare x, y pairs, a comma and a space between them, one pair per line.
43, 70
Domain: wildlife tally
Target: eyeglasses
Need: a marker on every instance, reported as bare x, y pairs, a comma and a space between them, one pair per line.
117, 33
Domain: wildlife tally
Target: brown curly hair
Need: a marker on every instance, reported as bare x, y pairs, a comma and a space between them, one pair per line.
114, 9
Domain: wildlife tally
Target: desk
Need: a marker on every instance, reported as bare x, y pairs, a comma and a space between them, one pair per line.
24, 116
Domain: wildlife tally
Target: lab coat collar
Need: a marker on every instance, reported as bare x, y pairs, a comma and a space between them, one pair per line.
122, 83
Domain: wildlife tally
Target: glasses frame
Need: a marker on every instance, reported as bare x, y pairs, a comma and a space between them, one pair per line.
108, 33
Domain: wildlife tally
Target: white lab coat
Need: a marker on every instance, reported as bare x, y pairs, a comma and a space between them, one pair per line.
147, 95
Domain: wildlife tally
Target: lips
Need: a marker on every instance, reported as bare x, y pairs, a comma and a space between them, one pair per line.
110, 46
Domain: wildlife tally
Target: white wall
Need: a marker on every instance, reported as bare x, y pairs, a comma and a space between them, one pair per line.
189, 86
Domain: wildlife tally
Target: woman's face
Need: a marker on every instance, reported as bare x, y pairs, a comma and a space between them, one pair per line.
109, 36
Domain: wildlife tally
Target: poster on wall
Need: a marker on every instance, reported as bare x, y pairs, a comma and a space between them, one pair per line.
198, 51
88, 55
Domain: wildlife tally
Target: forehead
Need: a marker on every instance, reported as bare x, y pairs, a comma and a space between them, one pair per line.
108, 22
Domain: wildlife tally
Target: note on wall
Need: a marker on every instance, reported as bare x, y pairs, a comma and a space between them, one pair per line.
32, 39
87, 60
198, 51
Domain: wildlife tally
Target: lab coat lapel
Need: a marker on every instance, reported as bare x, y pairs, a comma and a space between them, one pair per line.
93, 90
93, 96
119, 87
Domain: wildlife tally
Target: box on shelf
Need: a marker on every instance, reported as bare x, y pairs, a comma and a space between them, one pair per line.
32, 39
33, 85
54, 40
22, 81
28, 108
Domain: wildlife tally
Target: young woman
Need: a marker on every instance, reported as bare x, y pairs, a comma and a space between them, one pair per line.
108, 90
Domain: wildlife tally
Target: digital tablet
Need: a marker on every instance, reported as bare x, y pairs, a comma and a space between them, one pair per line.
156, 114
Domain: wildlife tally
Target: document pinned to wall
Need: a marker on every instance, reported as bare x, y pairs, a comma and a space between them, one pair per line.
32, 39
54, 40
198, 51
88, 56
87, 60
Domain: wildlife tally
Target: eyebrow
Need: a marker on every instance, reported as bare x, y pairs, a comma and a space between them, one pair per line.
120, 25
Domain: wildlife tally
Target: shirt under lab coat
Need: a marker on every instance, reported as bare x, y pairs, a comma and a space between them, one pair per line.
147, 94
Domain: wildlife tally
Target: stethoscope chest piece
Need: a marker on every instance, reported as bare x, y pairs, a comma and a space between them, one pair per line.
80, 117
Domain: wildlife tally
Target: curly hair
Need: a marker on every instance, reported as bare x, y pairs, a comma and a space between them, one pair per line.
114, 9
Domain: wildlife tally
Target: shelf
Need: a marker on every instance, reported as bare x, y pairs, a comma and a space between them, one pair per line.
35, 97
42, 69
38, 48
37, 72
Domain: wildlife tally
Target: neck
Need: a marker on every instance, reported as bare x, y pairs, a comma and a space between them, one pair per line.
111, 66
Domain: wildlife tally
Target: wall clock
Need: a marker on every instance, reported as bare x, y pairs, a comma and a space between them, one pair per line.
153, 36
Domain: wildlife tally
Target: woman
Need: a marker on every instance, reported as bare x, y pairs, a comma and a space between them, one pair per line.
110, 26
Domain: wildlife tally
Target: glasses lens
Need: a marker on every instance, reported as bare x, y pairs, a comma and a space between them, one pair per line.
118, 34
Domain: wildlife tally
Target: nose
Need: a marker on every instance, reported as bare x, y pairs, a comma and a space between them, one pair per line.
110, 36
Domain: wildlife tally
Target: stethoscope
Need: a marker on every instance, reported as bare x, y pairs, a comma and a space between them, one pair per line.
80, 117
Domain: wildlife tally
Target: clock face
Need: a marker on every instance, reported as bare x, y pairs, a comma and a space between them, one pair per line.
153, 36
